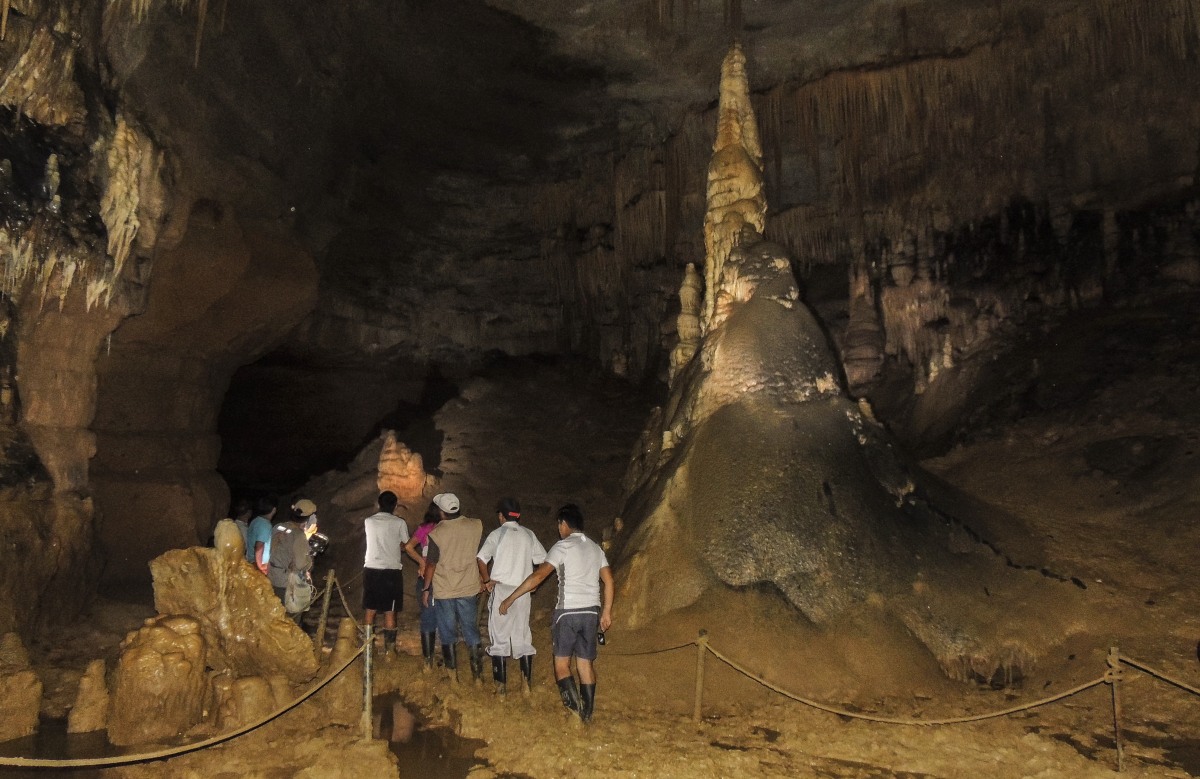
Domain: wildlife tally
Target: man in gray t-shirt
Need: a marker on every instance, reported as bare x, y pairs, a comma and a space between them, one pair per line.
582, 607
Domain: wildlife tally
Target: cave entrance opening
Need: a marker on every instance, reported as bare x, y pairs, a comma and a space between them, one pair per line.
283, 420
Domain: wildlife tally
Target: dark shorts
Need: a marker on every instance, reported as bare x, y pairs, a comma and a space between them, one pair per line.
383, 589
573, 632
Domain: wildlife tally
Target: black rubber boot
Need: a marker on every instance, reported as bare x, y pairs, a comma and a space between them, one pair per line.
527, 672
570, 695
477, 663
500, 674
428, 643
587, 694
389, 640
450, 660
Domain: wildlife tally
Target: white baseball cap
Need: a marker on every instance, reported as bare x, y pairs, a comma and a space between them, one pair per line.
447, 502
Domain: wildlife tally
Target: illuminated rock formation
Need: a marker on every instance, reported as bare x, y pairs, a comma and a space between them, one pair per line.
242, 622
90, 712
159, 685
402, 471
20, 690
341, 700
777, 477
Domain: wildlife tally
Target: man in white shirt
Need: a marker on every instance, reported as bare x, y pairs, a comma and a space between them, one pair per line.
512, 550
383, 582
582, 608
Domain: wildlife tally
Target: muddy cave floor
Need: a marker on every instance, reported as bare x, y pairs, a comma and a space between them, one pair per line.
1105, 486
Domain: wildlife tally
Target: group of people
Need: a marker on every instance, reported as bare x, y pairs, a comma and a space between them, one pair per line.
456, 564
279, 549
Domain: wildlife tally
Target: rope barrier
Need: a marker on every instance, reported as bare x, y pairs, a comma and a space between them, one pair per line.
650, 651
28, 762
1160, 675
905, 720
345, 604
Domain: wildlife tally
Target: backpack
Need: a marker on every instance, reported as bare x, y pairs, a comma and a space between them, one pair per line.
299, 594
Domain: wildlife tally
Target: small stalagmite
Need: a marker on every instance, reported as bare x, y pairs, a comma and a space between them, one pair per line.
401, 470
90, 712
160, 683
20, 690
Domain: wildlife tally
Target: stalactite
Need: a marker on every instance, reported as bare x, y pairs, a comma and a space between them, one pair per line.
5, 7
41, 85
201, 14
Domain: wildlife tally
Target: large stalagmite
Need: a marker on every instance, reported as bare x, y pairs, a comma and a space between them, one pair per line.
770, 474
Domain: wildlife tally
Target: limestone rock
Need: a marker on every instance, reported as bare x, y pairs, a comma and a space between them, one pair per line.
159, 685
342, 699
244, 625
20, 690
804, 491
401, 470
90, 712
240, 701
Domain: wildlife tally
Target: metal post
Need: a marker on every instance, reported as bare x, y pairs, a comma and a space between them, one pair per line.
368, 653
323, 623
701, 651
1113, 676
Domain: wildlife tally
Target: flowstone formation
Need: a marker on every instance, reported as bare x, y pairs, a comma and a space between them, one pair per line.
221, 653
241, 620
769, 474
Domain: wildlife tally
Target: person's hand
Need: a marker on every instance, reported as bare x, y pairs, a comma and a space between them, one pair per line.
488, 586
425, 598
263, 567
421, 570
605, 620
504, 604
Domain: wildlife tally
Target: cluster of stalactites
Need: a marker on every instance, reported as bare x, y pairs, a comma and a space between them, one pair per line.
36, 258
117, 11
736, 199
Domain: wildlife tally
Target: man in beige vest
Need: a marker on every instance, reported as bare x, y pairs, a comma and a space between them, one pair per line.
453, 575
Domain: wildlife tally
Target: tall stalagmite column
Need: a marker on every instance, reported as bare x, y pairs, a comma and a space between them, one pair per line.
735, 186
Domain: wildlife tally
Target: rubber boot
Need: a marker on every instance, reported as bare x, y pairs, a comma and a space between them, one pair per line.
527, 672
450, 660
427, 646
477, 664
569, 694
500, 675
389, 641
587, 695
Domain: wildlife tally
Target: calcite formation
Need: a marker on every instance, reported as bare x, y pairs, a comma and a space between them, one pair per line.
90, 712
401, 470
240, 701
20, 690
770, 474
243, 624
342, 699
735, 186
160, 684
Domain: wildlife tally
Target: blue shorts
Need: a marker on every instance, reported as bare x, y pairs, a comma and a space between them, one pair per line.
573, 632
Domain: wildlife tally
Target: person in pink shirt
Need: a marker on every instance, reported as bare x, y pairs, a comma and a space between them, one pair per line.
416, 549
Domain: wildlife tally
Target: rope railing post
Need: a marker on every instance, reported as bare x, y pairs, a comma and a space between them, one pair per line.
701, 651
368, 652
1113, 677
323, 622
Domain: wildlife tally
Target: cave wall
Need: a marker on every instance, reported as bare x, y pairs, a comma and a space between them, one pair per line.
225, 295
969, 169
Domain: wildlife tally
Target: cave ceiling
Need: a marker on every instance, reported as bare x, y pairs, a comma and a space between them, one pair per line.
409, 143
525, 175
